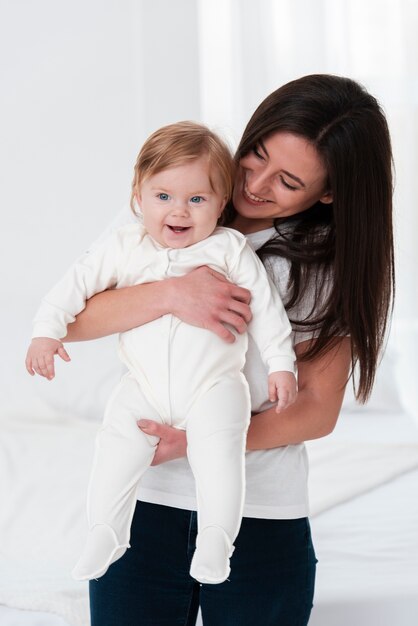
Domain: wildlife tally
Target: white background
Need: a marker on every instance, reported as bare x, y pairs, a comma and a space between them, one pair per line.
82, 85
84, 82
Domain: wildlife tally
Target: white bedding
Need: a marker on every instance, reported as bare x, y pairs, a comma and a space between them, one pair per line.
19, 617
44, 464
364, 522
367, 545
367, 550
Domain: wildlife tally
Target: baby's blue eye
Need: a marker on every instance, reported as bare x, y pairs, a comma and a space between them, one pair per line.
196, 199
163, 196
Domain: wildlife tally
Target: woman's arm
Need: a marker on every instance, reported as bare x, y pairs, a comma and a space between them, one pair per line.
321, 385
314, 414
201, 298
117, 310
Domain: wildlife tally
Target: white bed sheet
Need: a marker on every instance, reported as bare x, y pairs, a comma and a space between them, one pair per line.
368, 562
19, 617
367, 550
367, 545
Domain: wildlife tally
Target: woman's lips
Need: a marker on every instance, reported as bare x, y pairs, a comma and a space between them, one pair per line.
252, 198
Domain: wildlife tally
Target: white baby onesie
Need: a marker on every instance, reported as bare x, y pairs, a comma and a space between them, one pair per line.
179, 375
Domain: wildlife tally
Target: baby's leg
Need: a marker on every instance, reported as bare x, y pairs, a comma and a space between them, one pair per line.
216, 435
123, 453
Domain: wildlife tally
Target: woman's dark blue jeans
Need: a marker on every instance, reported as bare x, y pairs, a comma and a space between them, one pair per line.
271, 581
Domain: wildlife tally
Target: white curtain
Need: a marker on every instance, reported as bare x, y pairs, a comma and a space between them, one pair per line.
83, 83
248, 49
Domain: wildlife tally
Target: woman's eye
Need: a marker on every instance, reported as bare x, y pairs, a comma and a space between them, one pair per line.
258, 153
163, 196
196, 199
287, 184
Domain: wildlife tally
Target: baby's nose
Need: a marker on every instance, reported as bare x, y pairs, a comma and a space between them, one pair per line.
181, 208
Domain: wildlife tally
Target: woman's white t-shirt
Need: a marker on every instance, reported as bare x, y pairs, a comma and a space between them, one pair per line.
276, 479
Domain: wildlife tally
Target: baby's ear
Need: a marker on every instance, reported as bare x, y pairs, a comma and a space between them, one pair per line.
223, 205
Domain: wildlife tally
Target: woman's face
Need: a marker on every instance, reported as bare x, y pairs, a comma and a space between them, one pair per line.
282, 176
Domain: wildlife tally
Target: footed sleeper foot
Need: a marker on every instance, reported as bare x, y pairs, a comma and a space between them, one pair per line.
210, 563
100, 551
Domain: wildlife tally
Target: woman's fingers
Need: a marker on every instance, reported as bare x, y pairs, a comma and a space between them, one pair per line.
172, 444
205, 298
241, 307
228, 303
234, 320
153, 428
222, 331
239, 297
240, 293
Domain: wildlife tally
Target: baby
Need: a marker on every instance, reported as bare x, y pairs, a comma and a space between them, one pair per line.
178, 374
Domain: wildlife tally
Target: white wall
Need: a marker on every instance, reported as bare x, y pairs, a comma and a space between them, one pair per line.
82, 84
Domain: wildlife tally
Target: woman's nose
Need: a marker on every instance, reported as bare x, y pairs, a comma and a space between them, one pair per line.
259, 182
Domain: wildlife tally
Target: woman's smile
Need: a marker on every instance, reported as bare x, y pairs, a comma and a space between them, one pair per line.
281, 176
253, 198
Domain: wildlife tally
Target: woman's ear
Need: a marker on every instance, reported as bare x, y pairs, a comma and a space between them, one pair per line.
327, 197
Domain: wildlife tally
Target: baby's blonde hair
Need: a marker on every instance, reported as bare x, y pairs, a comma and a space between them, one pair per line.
177, 144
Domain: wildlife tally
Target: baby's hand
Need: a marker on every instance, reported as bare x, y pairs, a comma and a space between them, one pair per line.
40, 356
282, 389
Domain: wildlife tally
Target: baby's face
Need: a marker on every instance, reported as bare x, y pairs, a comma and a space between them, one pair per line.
179, 205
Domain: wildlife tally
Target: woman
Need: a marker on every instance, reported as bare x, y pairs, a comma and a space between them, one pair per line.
314, 196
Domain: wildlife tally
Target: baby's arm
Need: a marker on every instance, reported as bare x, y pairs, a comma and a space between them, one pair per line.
270, 326
202, 298
92, 273
40, 356
282, 389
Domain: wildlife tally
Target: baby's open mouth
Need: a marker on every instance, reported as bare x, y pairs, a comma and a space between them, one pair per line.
178, 229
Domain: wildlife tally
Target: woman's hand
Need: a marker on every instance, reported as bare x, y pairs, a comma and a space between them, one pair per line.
205, 298
202, 298
172, 445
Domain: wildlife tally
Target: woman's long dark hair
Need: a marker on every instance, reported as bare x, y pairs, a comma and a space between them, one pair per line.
351, 239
